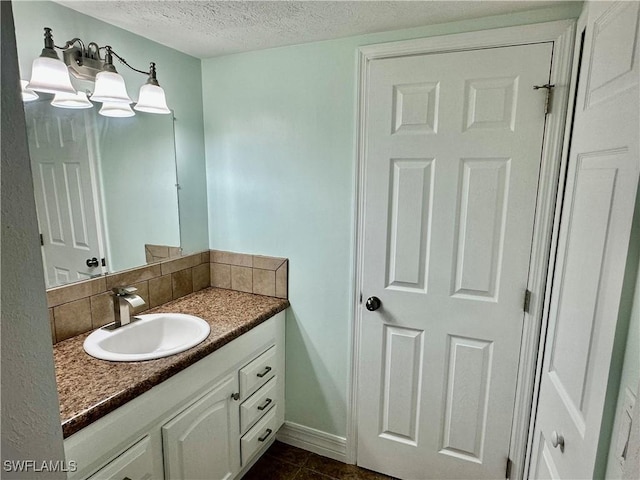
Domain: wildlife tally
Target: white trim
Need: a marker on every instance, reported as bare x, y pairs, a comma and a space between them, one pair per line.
313, 440
95, 169
552, 168
546, 301
561, 33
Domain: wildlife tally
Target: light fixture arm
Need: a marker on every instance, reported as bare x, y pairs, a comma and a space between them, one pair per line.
86, 62
70, 43
123, 61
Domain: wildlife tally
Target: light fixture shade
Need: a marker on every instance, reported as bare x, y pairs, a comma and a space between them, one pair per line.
50, 75
110, 88
116, 109
66, 100
28, 95
152, 100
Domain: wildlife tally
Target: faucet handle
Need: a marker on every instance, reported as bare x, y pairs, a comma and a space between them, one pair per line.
122, 291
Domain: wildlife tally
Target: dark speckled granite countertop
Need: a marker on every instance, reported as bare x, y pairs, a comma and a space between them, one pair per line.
89, 388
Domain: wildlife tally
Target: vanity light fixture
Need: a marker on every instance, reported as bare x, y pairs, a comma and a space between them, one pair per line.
49, 74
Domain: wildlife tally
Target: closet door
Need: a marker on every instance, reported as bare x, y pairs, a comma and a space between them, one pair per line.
594, 238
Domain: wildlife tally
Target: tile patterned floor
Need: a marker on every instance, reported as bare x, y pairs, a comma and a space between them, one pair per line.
284, 462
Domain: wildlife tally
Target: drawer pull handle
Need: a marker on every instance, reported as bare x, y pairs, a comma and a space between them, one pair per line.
266, 434
266, 403
264, 372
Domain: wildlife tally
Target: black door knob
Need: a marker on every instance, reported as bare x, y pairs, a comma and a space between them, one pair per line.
373, 303
92, 262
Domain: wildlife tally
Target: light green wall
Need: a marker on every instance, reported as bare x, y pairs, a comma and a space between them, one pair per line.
280, 146
178, 73
137, 213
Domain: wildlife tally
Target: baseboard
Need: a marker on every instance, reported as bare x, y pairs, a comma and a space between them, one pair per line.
313, 440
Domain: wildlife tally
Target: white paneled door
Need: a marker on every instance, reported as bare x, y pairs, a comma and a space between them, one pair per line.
61, 150
453, 148
596, 222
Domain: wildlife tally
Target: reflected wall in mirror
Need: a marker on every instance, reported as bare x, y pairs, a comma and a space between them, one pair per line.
105, 188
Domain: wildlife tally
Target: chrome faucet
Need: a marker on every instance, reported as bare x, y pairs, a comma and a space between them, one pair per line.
125, 298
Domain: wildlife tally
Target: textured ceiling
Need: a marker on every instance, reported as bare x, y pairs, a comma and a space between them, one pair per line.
206, 29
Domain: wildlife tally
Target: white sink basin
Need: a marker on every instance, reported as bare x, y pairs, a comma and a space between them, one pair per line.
152, 336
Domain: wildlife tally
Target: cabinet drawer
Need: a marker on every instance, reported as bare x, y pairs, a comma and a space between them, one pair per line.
258, 404
261, 433
257, 372
135, 463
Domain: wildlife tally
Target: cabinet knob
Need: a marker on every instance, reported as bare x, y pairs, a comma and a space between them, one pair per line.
235, 396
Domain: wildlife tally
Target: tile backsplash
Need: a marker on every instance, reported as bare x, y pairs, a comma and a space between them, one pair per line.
157, 253
250, 273
80, 307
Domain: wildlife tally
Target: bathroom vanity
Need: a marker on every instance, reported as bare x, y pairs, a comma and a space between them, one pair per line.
208, 412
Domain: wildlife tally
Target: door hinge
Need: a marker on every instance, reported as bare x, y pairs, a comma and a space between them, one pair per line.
527, 300
41, 240
547, 100
104, 262
507, 473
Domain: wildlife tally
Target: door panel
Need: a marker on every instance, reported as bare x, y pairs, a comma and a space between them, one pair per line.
545, 467
599, 200
403, 354
411, 191
453, 146
468, 377
479, 234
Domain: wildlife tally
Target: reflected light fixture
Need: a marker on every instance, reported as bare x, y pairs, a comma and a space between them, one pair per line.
49, 74
28, 95
70, 100
116, 109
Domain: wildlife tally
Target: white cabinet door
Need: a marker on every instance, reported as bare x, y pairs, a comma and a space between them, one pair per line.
594, 238
202, 441
453, 155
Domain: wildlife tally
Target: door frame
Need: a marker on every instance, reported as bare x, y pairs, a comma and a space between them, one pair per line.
562, 34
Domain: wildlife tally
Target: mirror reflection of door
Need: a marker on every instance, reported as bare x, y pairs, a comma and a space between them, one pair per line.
63, 162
